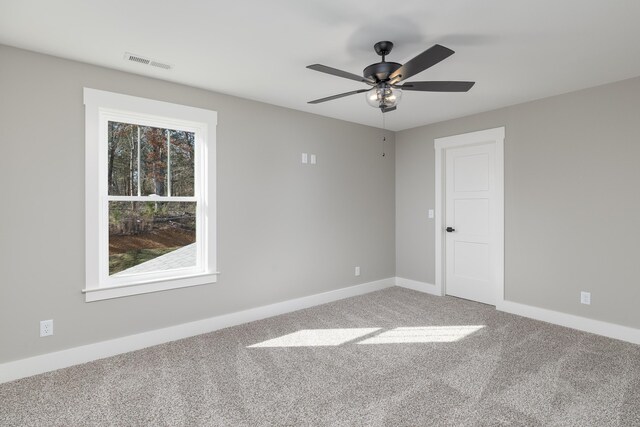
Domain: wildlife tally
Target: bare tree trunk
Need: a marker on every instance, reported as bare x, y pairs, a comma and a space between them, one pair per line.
131, 159
112, 154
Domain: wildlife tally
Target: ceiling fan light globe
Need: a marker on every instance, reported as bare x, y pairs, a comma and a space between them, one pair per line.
392, 99
383, 97
372, 97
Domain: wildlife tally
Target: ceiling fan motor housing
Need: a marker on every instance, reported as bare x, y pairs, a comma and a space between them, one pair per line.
380, 71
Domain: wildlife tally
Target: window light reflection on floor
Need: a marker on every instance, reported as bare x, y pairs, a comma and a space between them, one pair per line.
402, 335
317, 337
424, 334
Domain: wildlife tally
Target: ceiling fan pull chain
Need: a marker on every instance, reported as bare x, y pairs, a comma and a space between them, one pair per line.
384, 137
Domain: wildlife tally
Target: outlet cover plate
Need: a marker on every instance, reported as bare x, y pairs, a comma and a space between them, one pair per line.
46, 328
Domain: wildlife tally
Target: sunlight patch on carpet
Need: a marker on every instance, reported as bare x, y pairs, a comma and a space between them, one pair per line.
402, 335
317, 337
423, 334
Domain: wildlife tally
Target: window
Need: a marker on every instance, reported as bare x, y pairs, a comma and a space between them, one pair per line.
150, 195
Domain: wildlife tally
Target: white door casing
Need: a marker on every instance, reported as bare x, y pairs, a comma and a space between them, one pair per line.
470, 199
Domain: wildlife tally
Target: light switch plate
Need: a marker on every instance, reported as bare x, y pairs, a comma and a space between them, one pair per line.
313, 159
585, 298
305, 158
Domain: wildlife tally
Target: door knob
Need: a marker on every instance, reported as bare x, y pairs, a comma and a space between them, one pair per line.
450, 229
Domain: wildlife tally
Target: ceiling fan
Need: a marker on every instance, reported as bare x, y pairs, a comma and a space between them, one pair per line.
384, 77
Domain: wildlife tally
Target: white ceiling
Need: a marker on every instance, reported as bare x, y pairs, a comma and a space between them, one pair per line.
516, 50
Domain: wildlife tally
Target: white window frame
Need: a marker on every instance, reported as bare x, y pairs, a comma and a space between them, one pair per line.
102, 107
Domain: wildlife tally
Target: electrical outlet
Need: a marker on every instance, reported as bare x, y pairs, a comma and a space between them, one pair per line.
585, 298
431, 213
357, 272
46, 328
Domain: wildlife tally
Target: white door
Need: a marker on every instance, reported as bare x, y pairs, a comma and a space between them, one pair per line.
469, 222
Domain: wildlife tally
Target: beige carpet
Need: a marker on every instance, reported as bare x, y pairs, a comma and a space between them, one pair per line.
390, 358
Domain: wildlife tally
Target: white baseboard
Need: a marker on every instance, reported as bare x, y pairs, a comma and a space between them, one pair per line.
74, 356
14, 370
598, 327
425, 287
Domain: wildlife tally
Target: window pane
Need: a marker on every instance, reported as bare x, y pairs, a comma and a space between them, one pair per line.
151, 236
182, 163
123, 159
153, 160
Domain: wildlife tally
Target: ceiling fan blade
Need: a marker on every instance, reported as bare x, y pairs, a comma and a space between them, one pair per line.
331, 98
339, 73
437, 86
426, 59
386, 110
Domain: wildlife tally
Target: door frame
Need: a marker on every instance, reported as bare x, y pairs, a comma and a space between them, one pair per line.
488, 136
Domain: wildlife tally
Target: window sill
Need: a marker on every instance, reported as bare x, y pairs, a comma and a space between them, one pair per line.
97, 294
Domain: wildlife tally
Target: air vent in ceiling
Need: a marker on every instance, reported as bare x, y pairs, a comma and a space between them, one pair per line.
145, 61
160, 65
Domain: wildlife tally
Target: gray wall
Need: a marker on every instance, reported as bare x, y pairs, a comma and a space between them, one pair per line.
284, 230
572, 200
